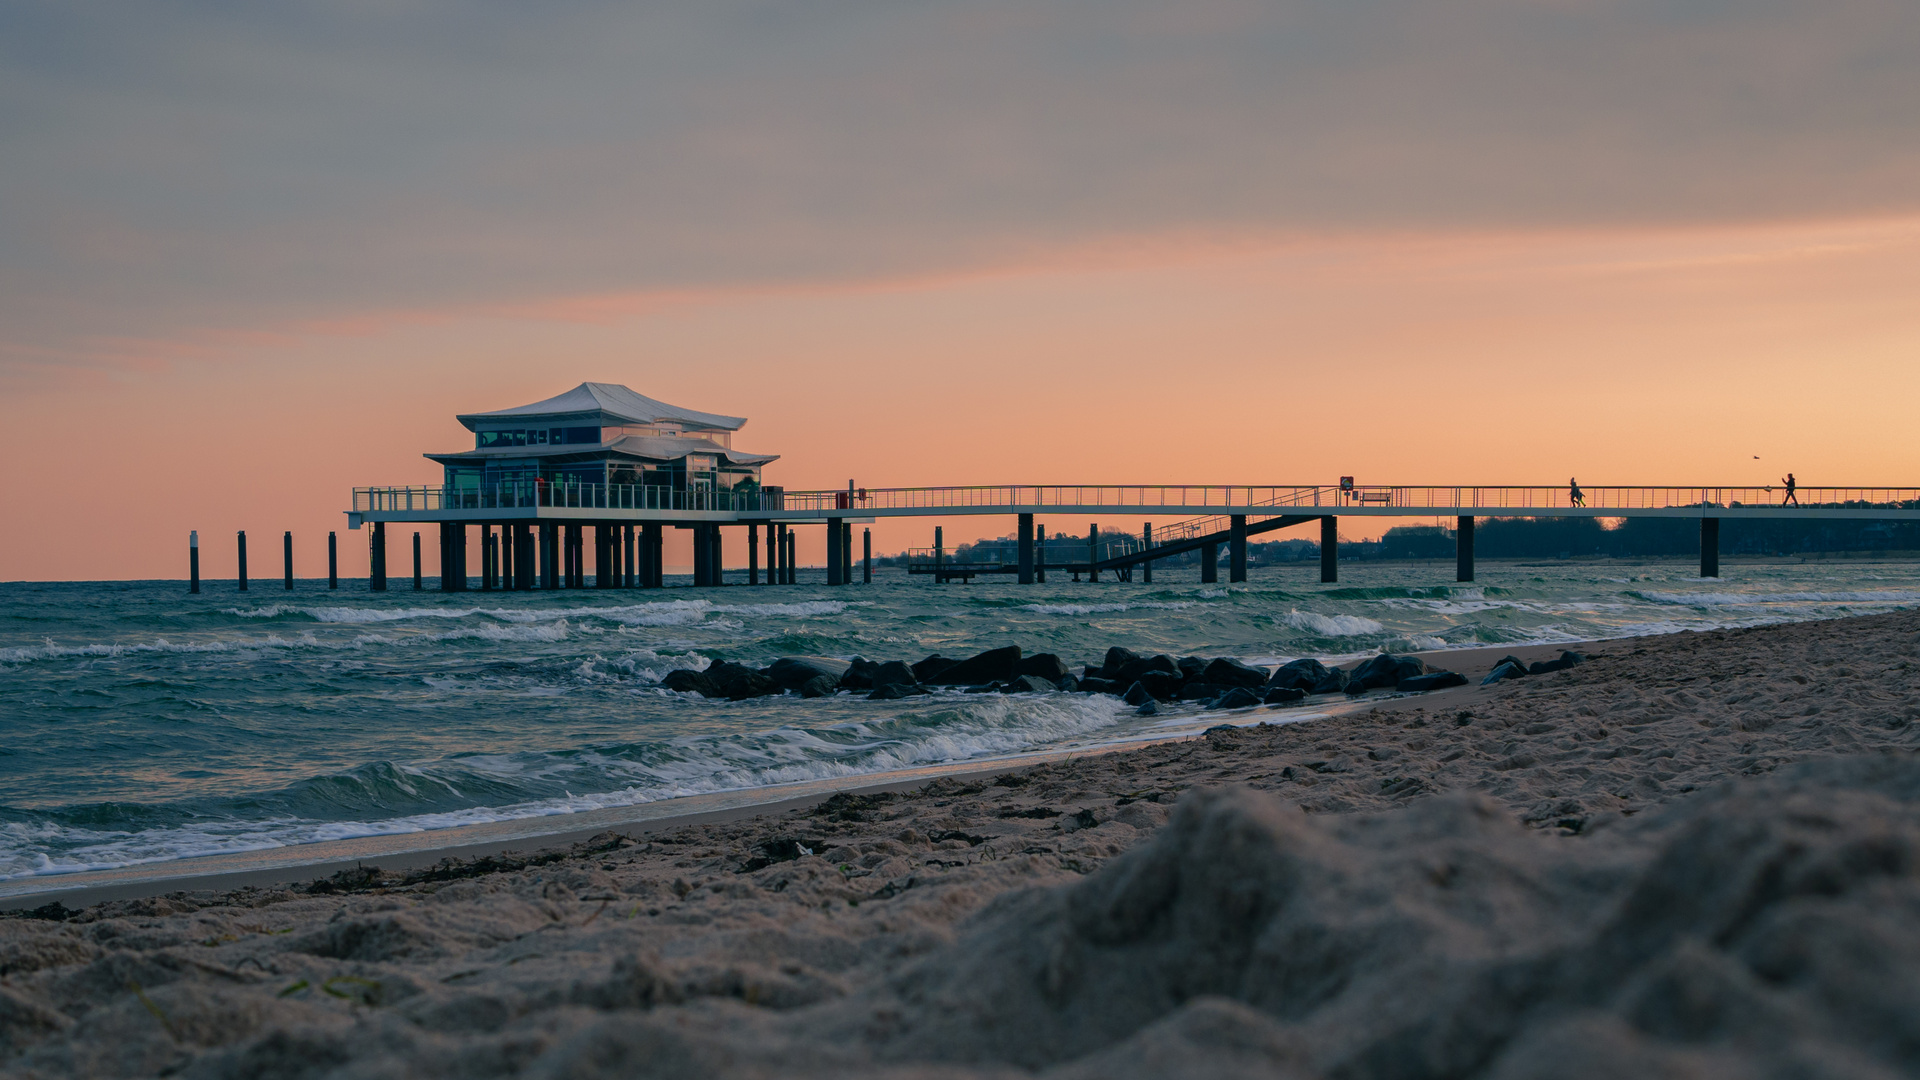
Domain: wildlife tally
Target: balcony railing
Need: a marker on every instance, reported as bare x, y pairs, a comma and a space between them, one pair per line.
528, 494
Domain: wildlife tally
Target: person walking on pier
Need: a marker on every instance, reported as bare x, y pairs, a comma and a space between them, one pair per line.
1791, 497
1574, 494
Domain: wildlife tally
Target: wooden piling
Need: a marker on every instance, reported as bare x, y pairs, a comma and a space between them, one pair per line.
939, 557
1093, 553
1026, 549
286, 559
193, 560
834, 535
866, 556
333, 561
1463, 549
753, 553
793, 548
243, 560
377, 557
1329, 549
1146, 544
1709, 547
1040, 554
846, 553
1237, 547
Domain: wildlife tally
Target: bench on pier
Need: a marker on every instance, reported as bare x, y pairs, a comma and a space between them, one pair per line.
1382, 497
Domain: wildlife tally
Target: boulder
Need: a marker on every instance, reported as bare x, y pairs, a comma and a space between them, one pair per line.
683, 681
859, 674
892, 673
791, 671
1333, 682
1505, 669
1046, 665
994, 665
1434, 680
1093, 684
1191, 667
738, 682
895, 691
925, 670
1237, 698
1028, 684
1303, 674
1137, 695
1385, 670
1200, 691
1147, 708
1160, 684
1067, 682
820, 686
1117, 659
1284, 695
1227, 671
1567, 660
1141, 665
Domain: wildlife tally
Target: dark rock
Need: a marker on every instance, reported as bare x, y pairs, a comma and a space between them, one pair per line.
925, 670
984, 688
1385, 670
1147, 708
1237, 698
791, 671
1093, 684
859, 674
1136, 695
738, 682
1229, 672
820, 686
1160, 684
1191, 667
1302, 674
994, 665
1436, 680
1117, 660
1333, 682
1505, 669
894, 692
1200, 691
1046, 665
893, 673
1162, 663
1067, 682
1028, 684
690, 682
1567, 660
1284, 695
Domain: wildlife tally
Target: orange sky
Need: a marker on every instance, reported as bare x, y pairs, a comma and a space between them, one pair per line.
1642, 356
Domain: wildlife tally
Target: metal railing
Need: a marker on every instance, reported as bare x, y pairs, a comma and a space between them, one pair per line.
1060, 495
527, 494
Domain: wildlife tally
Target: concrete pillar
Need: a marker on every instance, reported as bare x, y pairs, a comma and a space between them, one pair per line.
753, 553
1026, 549
1237, 547
454, 543
576, 539
1146, 542
243, 560
846, 554
716, 556
416, 560
1040, 554
1463, 550
286, 558
603, 561
333, 560
1709, 547
773, 553
626, 557
524, 570
652, 558
833, 552
489, 558
377, 557
193, 561
1209, 563
788, 559
866, 556
939, 557
549, 556
1329, 549
1093, 552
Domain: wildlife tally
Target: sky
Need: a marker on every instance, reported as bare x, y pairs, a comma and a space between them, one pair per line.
253, 256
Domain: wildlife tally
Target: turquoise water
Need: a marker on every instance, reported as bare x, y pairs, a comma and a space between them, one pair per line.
139, 724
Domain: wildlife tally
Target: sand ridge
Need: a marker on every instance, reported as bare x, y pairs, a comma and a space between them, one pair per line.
1304, 900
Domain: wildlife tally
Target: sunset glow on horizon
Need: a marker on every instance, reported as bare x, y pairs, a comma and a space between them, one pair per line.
1527, 295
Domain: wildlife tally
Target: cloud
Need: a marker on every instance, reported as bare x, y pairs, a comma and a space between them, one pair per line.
181, 166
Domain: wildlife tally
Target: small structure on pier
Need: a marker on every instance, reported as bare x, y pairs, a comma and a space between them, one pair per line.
600, 435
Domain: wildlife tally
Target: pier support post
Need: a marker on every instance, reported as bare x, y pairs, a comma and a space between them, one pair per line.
603, 556
1146, 544
243, 560
1237, 547
1209, 563
699, 555
866, 556
787, 560
753, 553
716, 557
1040, 554
455, 544
416, 559
1026, 549
773, 553
939, 556
834, 535
487, 558
626, 560
1329, 549
333, 560
1093, 552
523, 572
846, 553
576, 538
1463, 550
193, 560
1709, 547
377, 557
286, 558
652, 561
549, 556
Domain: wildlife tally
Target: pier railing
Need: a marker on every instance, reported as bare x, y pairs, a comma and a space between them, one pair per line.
523, 494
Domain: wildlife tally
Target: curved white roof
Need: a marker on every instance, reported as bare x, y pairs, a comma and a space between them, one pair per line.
610, 399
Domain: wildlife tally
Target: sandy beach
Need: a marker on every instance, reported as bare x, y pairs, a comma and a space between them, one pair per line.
1693, 855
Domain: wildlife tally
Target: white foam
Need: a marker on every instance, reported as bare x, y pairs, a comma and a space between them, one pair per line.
1101, 609
1332, 625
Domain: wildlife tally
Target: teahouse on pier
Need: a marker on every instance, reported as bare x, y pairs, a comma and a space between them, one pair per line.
604, 461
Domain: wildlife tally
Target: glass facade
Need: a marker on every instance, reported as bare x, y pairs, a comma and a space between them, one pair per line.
588, 436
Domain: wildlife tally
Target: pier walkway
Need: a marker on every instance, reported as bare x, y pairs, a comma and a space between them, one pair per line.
542, 544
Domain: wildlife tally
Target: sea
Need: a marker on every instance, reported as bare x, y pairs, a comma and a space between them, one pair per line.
141, 725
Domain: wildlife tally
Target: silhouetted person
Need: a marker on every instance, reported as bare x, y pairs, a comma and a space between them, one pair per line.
1574, 494
1791, 497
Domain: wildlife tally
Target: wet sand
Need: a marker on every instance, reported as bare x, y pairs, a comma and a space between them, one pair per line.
1696, 855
